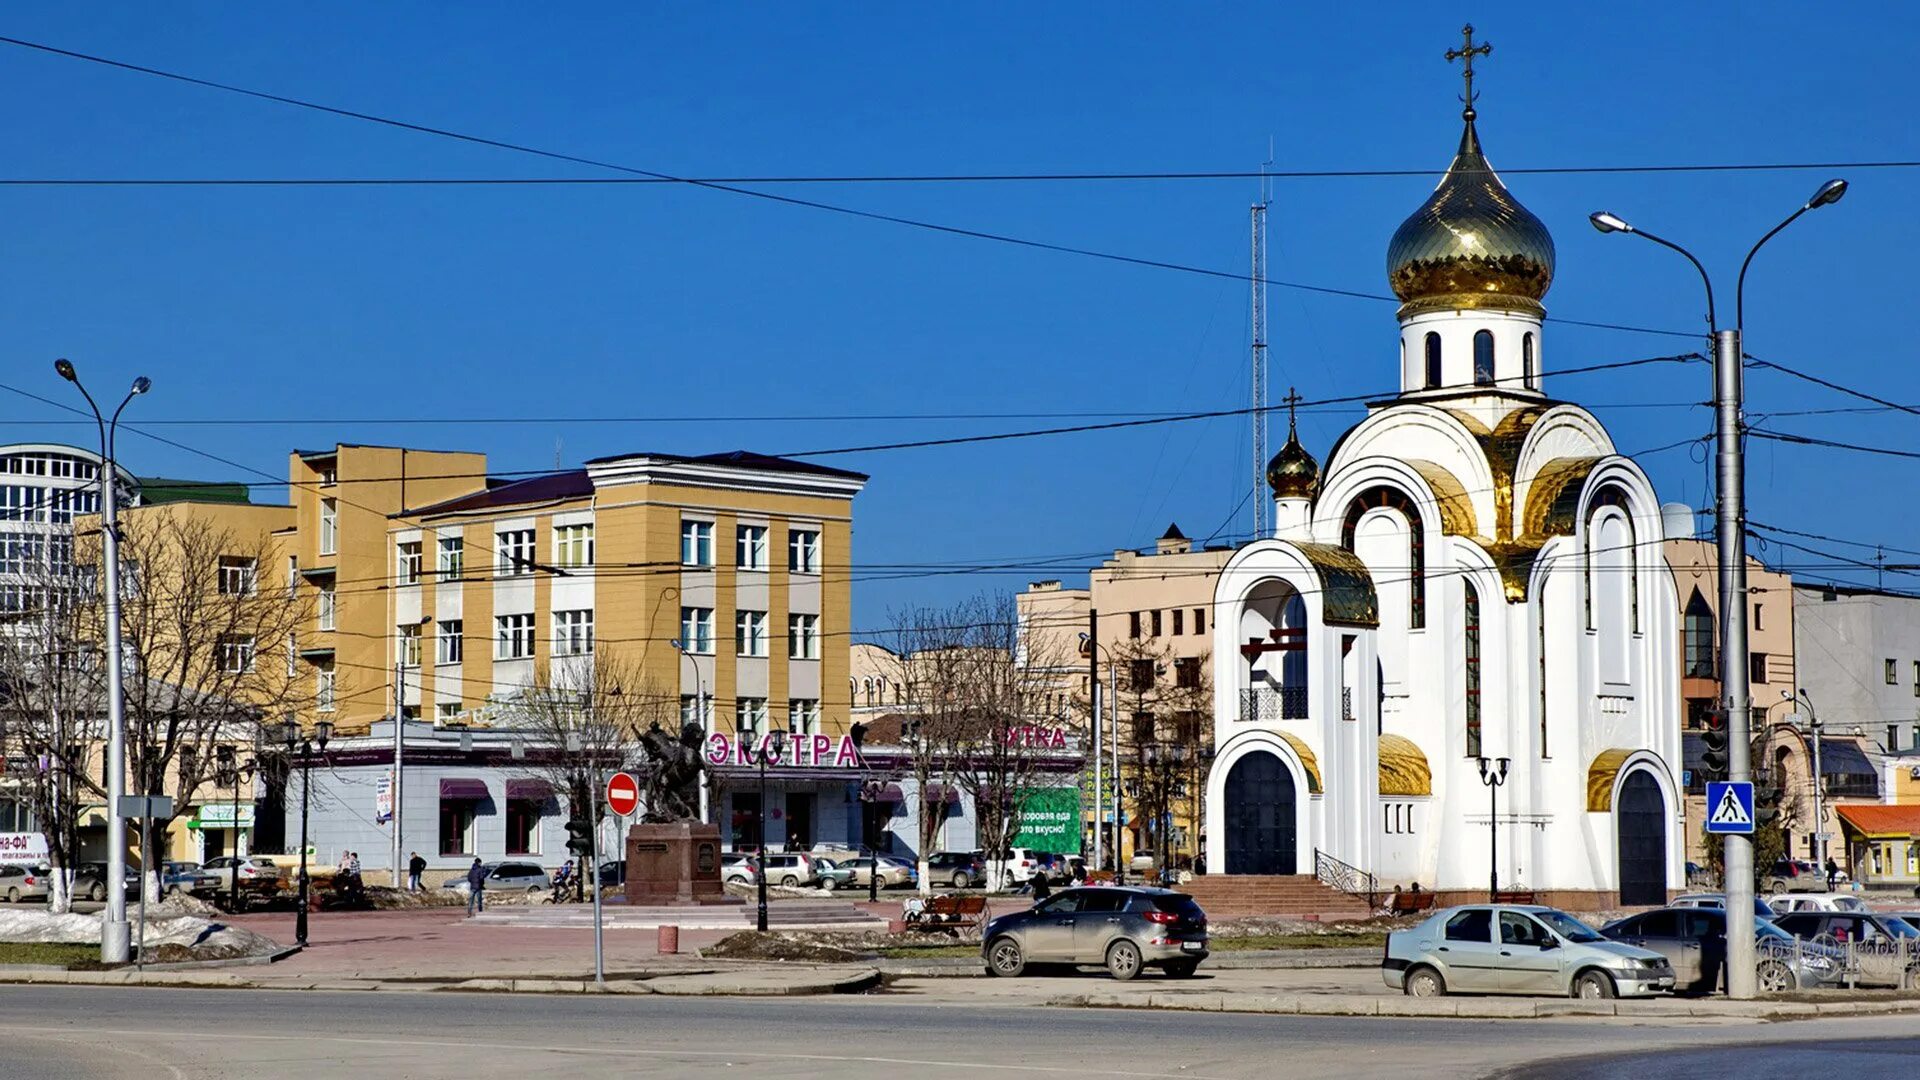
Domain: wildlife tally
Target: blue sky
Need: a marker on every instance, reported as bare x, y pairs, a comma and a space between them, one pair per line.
338, 304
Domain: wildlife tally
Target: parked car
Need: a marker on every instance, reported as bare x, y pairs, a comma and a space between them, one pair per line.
90, 881
738, 868
523, 877
180, 878
1820, 901
1125, 929
1064, 868
19, 882
790, 868
1880, 950
259, 877
1021, 865
1694, 941
959, 869
1718, 901
857, 872
1911, 918
1797, 875
1534, 950
613, 872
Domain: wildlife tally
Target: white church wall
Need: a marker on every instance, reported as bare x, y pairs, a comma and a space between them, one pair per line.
1457, 328
1377, 450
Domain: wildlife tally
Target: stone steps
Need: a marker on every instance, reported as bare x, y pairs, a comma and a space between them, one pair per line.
784, 915
1295, 895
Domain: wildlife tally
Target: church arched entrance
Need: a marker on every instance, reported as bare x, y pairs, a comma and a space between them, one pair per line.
1641, 818
1261, 831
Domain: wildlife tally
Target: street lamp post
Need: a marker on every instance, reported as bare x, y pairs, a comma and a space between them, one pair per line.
290, 734
1728, 357
1099, 828
1819, 780
115, 939
772, 748
230, 775
1493, 773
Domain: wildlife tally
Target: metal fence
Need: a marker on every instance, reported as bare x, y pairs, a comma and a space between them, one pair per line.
1269, 703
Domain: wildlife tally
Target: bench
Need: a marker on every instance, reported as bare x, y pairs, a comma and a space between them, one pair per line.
1513, 897
1408, 903
948, 913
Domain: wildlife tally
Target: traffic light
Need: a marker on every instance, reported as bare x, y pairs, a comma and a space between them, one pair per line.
1766, 802
1714, 760
580, 836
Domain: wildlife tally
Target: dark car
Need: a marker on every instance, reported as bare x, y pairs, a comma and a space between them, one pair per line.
90, 881
1878, 949
1694, 940
613, 872
1123, 929
959, 869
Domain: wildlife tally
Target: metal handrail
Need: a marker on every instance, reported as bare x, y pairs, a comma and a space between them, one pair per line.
1349, 879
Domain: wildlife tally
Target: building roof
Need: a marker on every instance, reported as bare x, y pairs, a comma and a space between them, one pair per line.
160, 489
740, 459
1843, 757
550, 487
1173, 532
1874, 821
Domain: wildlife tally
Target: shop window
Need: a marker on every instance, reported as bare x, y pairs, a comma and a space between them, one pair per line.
746, 818
456, 826
523, 826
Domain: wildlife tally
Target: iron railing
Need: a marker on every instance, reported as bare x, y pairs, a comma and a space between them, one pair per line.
1351, 880
1269, 703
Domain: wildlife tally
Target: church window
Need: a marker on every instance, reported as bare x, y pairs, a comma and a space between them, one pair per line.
1472, 668
1543, 686
1618, 557
1483, 358
1527, 371
1395, 499
1433, 361
1697, 637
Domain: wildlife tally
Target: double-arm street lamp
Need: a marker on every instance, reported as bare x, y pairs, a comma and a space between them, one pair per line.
115, 938
1493, 773
1731, 517
773, 748
1113, 711
229, 771
295, 741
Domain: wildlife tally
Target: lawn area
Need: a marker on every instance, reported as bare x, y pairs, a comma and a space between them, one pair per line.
1241, 943
42, 953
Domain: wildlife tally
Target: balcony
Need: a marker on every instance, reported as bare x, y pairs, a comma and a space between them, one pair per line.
1271, 703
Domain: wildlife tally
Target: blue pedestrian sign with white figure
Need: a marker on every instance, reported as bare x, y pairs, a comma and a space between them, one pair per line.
1729, 806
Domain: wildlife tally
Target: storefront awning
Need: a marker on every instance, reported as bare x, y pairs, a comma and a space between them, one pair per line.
1874, 821
528, 789
893, 793
462, 788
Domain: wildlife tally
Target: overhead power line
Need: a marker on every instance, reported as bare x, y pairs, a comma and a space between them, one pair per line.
1754, 361
752, 193
1833, 444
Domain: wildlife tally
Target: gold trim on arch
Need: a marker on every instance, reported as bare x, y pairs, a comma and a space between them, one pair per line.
1601, 775
1308, 763
1456, 509
1404, 772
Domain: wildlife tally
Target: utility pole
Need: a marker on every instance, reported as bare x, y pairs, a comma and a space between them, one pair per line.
1259, 415
399, 766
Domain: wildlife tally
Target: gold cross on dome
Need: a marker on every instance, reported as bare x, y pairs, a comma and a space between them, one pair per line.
1292, 399
1465, 53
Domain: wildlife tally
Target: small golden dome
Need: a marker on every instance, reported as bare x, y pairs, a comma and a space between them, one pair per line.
1471, 244
1292, 473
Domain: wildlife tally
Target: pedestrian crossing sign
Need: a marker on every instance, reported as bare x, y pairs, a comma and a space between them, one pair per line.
1729, 806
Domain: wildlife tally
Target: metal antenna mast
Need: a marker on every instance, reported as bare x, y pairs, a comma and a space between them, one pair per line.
1259, 276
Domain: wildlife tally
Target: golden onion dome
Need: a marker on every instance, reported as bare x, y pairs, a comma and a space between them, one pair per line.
1292, 473
1471, 244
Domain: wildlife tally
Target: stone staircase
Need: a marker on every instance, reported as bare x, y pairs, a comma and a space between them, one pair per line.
1297, 896
781, 915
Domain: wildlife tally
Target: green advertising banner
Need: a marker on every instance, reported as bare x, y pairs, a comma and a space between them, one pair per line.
1050, 821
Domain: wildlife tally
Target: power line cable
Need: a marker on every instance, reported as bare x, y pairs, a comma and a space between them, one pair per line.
1754, 361
753, 193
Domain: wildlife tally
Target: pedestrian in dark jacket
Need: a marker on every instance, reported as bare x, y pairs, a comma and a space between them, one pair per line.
415, 867
1041, 890
1833, 873
476, 888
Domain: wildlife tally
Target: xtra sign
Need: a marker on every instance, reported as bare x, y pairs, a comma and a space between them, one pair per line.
818, 751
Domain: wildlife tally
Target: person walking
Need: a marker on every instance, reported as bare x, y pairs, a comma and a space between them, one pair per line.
1833, 873
415, 867
1041, 890
476, 887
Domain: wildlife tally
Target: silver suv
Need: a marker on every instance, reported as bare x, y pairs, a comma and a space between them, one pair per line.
791, 868
1518, 949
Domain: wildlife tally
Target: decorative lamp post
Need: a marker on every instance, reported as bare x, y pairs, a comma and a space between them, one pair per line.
115, 937
229, 772
291, 735
771, 749
1113, 710
1493, 773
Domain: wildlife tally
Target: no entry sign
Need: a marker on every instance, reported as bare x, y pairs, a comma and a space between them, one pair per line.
623, 793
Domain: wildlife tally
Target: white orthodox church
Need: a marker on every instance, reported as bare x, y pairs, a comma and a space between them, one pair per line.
1472, 587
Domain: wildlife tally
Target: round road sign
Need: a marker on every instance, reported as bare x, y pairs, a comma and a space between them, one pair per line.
623, 793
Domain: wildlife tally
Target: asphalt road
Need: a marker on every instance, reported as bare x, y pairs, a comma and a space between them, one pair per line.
107, 1032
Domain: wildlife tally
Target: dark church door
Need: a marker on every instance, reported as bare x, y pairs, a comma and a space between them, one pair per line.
1642, 821
1260, 816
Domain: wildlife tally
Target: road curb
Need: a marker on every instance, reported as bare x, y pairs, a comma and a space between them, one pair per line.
1483, 1008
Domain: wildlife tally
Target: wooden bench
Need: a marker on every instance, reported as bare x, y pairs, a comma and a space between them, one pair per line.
1408, 903
1514, 897
950, 914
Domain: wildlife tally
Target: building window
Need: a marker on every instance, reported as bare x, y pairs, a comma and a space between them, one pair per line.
453, 556
803, 716
1916, 678
20, 554
236, 575
1893, 673
407, 651
1758, 622
329, 526
235, 653
696, 630
1199, 620
1893, 737
325, 609
523, 826
456, 826
1697, 638
323, 689
449, 647
573, 633
1528, 370
409, 562
696, 543
750, 633
803, 637
1140, 675
696, 711
1472, 666
803, 551
1612, 495
329, 476
512, 552
1154, 620
1757, 667
749, 717
1186, 673
1397, 500
750, 547
1179, 622
573, 545
293, 575
513, 637
1483, 358
1133, 624
1433, 361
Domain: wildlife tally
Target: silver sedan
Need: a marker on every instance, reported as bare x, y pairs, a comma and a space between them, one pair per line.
1518, 949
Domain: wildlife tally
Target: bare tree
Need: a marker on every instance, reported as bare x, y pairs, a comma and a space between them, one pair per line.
50, 716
